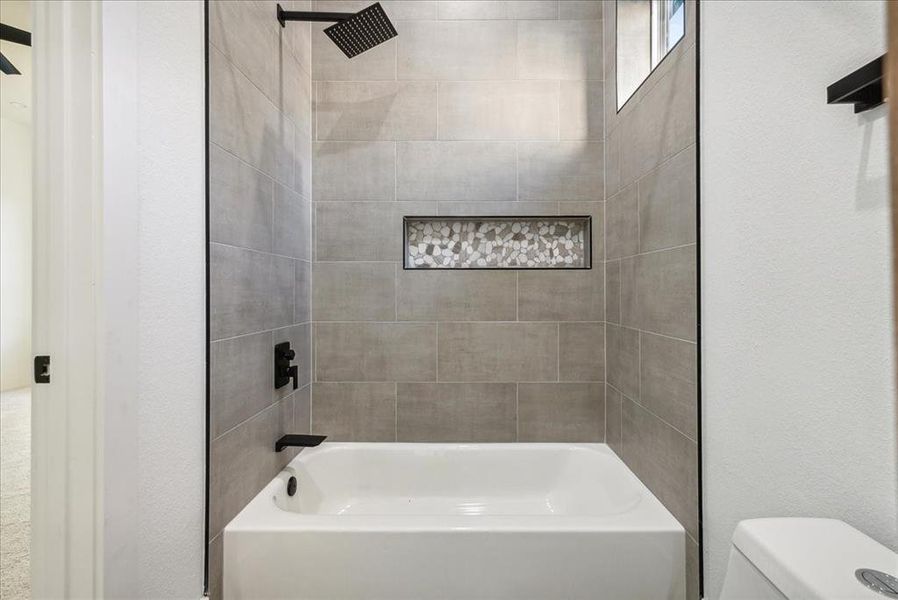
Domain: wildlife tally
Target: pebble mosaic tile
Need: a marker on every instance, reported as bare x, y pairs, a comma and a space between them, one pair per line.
497, 242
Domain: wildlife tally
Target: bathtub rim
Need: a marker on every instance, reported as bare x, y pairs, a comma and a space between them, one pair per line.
262, 514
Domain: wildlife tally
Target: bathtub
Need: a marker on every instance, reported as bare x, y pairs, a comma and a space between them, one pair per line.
455, 521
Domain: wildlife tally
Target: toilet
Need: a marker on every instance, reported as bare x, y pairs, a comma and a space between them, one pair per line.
805, 559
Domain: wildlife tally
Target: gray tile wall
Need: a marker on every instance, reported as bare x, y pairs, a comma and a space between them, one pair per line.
260, 163
650, 278
477, 108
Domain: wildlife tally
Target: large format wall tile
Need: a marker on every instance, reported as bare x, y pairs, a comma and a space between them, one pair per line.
260, 159
302, 162
580, 9
255, 51
302, 410
397, 10
473, 9
667, 204
298, 39
693, 568
665, 460
668, 371
241, 202
498, 352
375, 351
666, 292
568, 49
216, 560
613, 419
281, 293
354, 412
499, 110
533, 9
240, 291
454, 171
629, 309
330, 64
581, 351
247, 123
555, 412
501, 209
470, 105
292, 224
302, 295
662, 123
456, 412
581, 113
354, 291
376, 110
456, 295
366, 231
241, 380
612, 159
562, 295
612, 291
651, 230
622, 350
622, 223
456, 50
294, 89
243, 461
354, 171
560, 171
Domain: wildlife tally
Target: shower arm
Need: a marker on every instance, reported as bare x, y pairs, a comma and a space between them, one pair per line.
318, 17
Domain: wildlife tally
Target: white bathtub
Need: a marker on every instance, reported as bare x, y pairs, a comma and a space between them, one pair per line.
455, 521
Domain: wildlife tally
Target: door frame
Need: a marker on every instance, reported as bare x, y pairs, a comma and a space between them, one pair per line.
67, 423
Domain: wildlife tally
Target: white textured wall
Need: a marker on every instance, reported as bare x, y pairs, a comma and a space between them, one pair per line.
15, 255
154, 239
798, 364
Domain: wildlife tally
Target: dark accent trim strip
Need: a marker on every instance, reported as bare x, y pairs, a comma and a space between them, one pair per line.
206, 523
698, 300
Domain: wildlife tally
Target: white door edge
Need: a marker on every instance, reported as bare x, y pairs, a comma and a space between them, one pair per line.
66, 413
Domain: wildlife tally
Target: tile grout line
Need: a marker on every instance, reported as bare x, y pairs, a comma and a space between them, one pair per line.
269, 406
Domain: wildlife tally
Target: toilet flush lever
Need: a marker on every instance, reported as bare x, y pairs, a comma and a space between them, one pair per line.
283, 371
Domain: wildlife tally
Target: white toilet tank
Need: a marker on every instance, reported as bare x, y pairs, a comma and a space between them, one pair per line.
802, 559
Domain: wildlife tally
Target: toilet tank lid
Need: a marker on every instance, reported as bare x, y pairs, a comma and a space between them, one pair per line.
813, 558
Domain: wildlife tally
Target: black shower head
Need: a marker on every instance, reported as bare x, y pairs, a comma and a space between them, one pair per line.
368, 28
353, 33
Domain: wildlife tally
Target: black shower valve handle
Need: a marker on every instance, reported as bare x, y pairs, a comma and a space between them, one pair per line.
293, 373
283, 371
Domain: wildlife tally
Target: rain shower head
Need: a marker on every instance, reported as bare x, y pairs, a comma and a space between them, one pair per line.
368, 28
353, 33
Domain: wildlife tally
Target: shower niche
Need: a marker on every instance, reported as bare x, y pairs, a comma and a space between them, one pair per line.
531, 242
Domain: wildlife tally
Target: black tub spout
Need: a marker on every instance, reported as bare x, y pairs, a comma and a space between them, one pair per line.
298, 440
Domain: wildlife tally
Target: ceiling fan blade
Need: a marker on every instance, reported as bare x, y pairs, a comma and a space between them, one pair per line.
15, 35
7, 67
